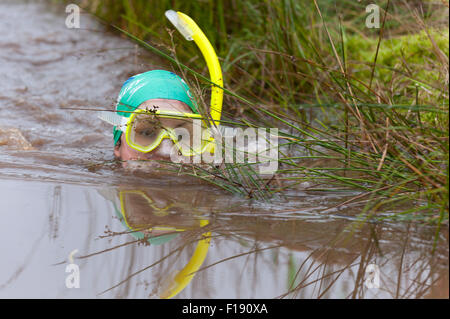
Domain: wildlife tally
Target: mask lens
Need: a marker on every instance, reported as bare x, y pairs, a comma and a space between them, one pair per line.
183, 130
145, 129
137, 211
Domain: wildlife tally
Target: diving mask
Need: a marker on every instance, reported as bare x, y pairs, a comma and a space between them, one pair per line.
146, 129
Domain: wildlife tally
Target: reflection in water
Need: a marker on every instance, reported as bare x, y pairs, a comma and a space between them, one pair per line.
155, 223
150, 242
160, 236
326, 259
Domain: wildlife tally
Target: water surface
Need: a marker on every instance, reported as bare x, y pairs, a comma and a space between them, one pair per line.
62, 193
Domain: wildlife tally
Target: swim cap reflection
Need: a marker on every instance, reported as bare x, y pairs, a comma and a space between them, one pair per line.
155, 84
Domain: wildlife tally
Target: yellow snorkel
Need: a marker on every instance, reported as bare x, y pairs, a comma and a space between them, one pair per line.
177, 283
190, 30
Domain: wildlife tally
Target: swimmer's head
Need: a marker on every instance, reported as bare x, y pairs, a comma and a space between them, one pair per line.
158, 89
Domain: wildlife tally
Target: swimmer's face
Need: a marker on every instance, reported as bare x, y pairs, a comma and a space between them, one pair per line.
124, 152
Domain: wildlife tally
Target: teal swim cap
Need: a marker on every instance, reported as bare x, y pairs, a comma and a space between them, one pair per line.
156, 84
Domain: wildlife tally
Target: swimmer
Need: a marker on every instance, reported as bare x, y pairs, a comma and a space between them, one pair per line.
154, 105
156, 115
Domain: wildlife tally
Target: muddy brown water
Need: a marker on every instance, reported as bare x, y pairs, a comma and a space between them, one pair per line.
65, 202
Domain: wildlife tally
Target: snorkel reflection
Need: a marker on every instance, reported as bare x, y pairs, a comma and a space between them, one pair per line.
157, 220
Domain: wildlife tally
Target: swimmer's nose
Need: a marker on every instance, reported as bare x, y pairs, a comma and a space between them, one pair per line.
163, 151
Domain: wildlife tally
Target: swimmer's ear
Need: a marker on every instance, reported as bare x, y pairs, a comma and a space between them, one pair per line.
117, 148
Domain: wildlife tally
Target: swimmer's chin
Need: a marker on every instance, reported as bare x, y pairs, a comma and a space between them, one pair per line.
143, 164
